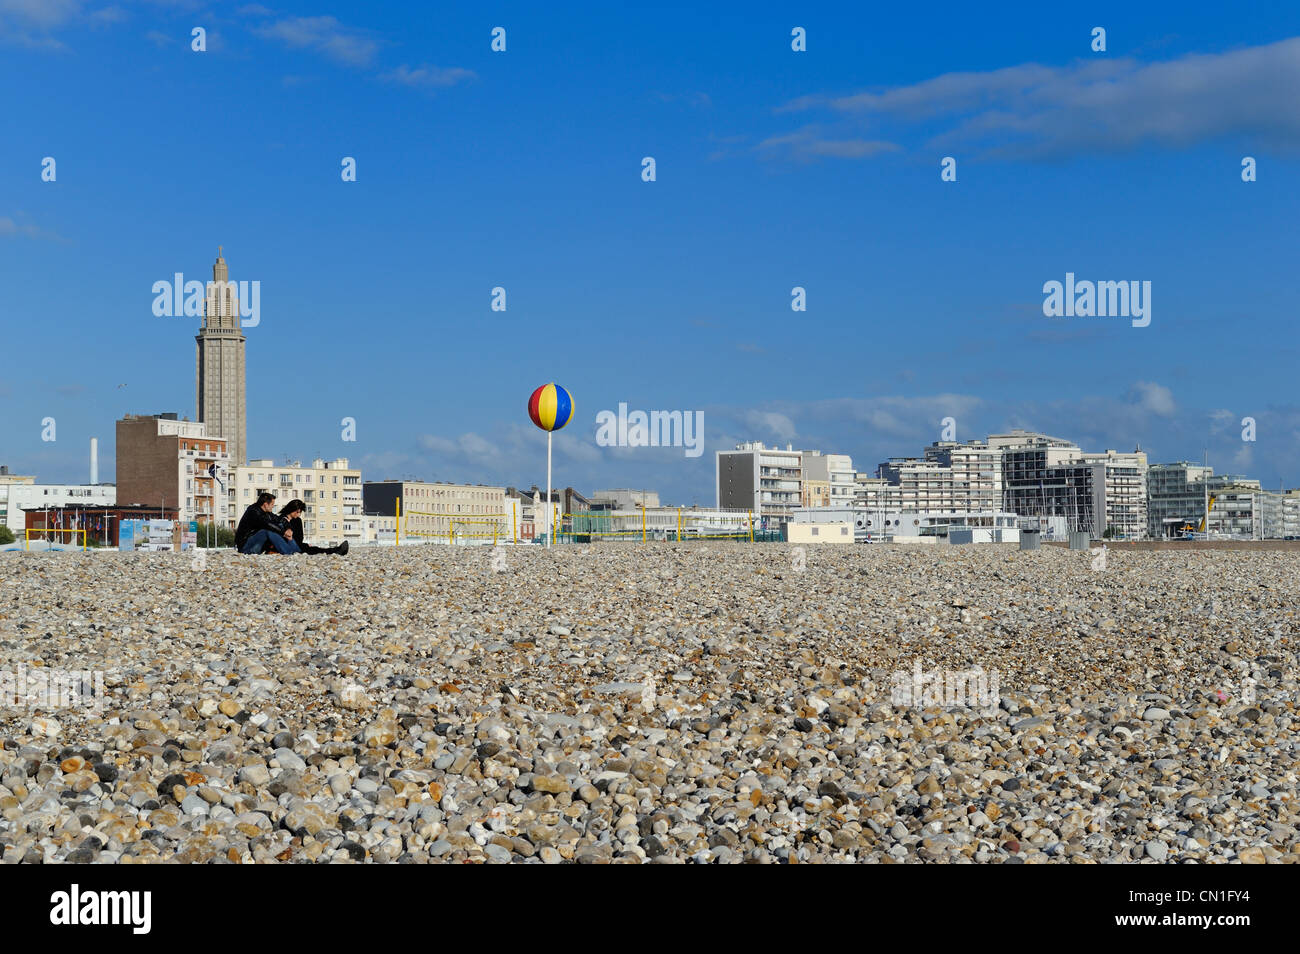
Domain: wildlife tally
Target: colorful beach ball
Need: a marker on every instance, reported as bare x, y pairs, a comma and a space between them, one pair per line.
550, 407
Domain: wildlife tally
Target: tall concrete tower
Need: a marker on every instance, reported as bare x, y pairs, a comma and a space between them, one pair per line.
219, 375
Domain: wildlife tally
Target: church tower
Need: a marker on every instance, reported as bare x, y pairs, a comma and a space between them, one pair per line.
219, 376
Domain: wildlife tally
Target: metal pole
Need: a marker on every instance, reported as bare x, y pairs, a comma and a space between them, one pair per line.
550, 515
397, 524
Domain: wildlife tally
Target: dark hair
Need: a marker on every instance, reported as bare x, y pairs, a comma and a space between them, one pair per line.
264, 497
292, 507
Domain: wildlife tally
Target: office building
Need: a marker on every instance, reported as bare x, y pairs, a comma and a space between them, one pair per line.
169, 462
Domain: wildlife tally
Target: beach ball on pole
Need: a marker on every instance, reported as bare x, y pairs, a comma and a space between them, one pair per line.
550, 407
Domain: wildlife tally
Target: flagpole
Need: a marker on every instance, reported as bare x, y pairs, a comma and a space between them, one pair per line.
550, 515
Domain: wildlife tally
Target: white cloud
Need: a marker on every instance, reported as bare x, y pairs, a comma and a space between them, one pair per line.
1155, 398
325, 35
429, 77
811, 143
771, 425
9, 227
1097, 105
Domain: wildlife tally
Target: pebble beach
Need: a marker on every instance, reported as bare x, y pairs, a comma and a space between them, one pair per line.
668, 703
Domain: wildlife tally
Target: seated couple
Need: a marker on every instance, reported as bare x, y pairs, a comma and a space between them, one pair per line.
262, 530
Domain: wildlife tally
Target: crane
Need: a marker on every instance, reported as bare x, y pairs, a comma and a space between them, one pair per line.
1209, 505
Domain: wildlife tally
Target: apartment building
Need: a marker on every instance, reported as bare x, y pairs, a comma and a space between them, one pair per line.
1124, 492
442, 511
624, 499
169, 462
976, 473
330, 489
828, 480
919, 485
873, 493
765, 480
1235, 511
1175, 497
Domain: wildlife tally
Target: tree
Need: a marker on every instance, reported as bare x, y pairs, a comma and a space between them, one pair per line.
1110, 533
221, 536
6, 535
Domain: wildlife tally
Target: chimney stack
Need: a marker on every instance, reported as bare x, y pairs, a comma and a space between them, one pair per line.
94, 460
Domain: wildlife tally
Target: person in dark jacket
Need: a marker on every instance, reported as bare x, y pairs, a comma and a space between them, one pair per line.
292, 515
259, 529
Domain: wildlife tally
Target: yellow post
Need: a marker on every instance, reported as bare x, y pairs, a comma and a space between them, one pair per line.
750, 515
397, 540
514, 524
643, 523
679, 524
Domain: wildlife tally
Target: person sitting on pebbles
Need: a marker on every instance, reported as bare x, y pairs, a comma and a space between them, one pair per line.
292, 515
261, 531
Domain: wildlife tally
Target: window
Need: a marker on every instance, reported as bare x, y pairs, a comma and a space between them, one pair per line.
815, 531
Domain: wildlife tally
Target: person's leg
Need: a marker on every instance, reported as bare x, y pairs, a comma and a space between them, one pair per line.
281, 544
254, 544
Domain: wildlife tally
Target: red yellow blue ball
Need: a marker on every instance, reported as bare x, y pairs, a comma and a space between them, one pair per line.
550, 407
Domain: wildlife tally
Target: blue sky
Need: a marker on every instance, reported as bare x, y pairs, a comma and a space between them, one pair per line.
775, 168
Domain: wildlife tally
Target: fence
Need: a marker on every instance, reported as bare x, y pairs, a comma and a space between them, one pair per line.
42, 531
680, 525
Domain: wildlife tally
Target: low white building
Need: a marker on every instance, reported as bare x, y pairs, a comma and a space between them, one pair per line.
666, 523
17, 499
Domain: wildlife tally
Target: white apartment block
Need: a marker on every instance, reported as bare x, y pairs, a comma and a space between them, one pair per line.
625, 499
765, 480
828, 480
443, 512
331, 491
976, 473
1124, 493
18, 498
1291, 514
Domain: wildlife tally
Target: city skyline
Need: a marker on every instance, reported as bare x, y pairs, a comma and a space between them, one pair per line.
820, 171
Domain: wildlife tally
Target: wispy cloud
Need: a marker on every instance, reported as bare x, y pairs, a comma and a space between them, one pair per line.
429, 77
106, 16
812, 142
697, 99
1153, 397
325, 35
9, 227
31, 23
1098, 105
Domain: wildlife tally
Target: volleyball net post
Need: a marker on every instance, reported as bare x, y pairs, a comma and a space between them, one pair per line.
41, 531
